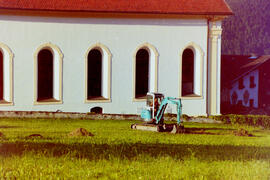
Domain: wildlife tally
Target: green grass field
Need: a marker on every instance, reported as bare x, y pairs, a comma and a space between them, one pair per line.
115, 151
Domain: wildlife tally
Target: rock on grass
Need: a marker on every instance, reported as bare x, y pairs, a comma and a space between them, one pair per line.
80, 132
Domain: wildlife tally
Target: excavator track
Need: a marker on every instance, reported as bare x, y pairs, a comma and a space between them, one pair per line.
171, 128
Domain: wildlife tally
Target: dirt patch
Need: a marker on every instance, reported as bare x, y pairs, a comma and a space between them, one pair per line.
34, 136
80, 132
9, 127
198, 131
242, 132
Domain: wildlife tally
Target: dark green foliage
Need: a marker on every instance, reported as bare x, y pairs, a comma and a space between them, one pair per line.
248, 31
251, 120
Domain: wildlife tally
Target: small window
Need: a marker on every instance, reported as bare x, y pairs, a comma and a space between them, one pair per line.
45, 75
234, 98
251, 103
240, 103
241, 83
251, 82
96, 110
142, 74
187, 72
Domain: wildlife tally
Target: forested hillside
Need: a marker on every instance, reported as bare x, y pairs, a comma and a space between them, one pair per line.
248, 31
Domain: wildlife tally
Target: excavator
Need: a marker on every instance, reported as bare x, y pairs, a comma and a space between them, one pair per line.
153, 114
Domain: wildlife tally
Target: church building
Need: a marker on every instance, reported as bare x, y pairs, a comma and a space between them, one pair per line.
105, 55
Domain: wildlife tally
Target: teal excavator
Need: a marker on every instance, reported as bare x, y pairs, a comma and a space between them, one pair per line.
153, 114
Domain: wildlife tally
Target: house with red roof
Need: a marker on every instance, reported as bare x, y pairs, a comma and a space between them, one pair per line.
89, 55
245, 83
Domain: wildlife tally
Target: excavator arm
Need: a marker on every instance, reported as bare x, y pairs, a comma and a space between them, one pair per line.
162, 108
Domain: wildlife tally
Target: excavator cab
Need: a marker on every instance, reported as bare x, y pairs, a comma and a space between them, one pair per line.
153, 102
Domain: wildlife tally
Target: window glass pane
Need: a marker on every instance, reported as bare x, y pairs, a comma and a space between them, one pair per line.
187, 72
142, 73
94, 78
45, 75
1, 76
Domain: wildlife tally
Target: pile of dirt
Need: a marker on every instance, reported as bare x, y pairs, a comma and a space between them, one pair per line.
80, 132
2, 135
242, 132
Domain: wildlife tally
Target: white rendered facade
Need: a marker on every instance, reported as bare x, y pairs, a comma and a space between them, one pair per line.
251, 93
71, 39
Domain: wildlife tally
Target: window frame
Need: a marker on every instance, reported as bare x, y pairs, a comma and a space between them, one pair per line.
153, 65
198, 80
8, 56
106, 58
57, 59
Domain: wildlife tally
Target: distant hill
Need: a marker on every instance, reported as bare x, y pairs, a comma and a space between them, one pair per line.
248, 31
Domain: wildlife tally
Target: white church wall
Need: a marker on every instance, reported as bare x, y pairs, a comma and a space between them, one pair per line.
121, 36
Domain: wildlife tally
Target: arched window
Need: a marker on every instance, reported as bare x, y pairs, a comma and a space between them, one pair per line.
98, 74
191, 66
45, 75
142, 73
145, 71
94, 76
48, 60
6, 75
187, 72
1, 76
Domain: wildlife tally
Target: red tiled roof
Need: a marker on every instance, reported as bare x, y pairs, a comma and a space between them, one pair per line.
183, 7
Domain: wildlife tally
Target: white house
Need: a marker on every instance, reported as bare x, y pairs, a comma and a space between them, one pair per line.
76, 55
246, 81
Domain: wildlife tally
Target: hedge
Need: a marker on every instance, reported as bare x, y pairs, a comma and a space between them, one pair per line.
251, 120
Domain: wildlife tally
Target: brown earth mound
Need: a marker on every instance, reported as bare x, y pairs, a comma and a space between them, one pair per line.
2, 135
241, 132
80, 132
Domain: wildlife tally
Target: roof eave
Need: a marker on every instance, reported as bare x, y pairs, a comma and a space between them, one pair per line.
118, 12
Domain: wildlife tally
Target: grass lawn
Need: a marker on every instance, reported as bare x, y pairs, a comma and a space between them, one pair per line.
118, 152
